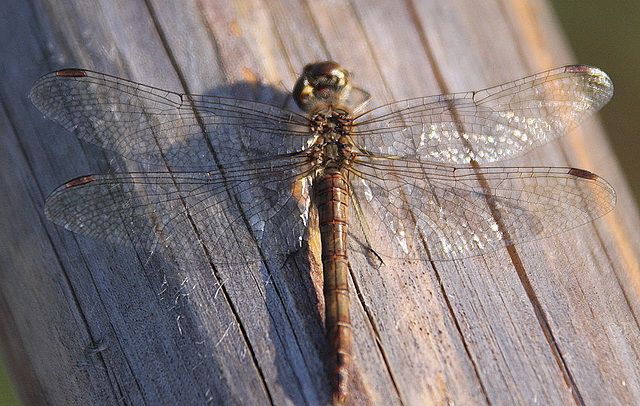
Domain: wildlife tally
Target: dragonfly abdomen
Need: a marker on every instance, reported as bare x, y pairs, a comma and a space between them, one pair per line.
331, 194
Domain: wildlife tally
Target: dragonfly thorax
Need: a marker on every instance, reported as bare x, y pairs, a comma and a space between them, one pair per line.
331, 123
331, 151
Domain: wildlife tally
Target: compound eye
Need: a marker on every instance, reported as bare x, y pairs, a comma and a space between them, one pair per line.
303, 94
325, 74
320, 82
322, 68
337, 78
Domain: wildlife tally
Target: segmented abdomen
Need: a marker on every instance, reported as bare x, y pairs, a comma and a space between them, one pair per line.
331, 194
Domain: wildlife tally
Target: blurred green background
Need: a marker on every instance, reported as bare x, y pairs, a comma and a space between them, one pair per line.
605, 34
7, 396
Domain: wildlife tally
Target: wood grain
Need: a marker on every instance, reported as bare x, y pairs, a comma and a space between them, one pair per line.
89, 323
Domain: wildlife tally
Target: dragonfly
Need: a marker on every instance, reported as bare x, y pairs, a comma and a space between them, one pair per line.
410, 179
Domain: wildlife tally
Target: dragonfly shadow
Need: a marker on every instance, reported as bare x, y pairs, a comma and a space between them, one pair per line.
247, 216
216, 185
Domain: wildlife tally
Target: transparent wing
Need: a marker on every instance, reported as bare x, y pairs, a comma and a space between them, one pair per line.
159, 127
494, 124
252, 211
408, 202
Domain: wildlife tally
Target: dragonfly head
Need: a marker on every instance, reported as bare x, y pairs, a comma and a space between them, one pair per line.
322, 85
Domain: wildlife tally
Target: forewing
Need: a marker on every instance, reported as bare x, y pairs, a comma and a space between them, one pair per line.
464, 212
160, 127
490, 125
252, 211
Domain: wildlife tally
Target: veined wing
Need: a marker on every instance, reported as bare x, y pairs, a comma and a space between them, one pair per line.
450, 209
254, 210
494, 124
160, 127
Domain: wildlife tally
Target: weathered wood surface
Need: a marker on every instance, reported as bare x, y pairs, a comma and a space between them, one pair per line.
88, 323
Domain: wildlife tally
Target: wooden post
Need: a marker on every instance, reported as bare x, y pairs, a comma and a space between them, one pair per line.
88, 323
